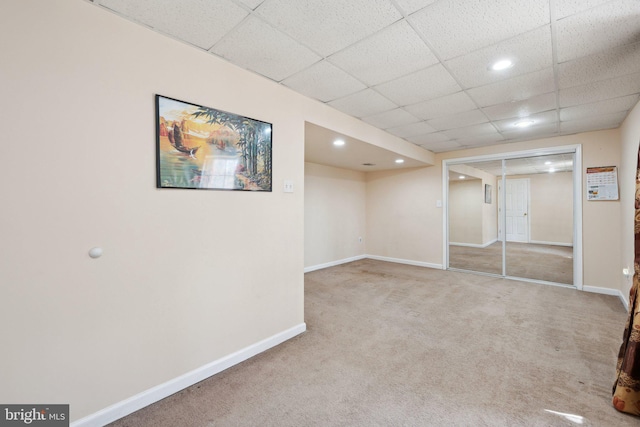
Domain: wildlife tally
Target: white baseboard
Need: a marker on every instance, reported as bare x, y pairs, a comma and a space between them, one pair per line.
333, 263
608, 291
474, 245
540, 242
405, 261
159, 392
379, 258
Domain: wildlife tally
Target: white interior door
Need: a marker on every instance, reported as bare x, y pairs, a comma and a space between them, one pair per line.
517, 207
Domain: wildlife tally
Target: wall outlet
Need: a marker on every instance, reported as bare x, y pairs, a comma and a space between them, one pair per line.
288, 186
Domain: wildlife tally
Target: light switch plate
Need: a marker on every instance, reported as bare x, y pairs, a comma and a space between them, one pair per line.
288, 186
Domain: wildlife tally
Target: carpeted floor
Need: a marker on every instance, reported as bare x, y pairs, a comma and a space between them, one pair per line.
396, 345
550, 263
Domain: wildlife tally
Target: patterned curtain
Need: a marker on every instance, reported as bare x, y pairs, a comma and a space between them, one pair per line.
626, 390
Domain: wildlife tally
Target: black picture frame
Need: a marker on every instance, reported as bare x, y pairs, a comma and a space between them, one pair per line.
203, 148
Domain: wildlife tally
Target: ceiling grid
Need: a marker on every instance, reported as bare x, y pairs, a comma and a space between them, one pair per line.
421, 69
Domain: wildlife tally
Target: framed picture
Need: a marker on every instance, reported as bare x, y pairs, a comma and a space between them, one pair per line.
199, 147
487, 193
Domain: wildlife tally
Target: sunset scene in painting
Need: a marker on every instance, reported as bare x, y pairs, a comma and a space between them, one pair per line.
204, 148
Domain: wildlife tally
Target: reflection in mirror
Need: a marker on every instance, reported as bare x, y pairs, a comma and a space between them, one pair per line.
536, 220
539, 218
473, 223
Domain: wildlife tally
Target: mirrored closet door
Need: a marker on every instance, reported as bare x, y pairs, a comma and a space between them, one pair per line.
524, 229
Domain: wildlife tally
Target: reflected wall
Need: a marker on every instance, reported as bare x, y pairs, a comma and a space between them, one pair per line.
528, 223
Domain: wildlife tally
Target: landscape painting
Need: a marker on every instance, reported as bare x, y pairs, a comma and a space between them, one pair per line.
203, 148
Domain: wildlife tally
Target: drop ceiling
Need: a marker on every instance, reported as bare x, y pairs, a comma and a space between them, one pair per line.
550, 163
354, 154
419, 69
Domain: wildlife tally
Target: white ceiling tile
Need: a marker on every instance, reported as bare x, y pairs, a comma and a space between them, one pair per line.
539, 164
199, 22
601, 66
327, 26
534, 132
514, 89
364, 103
410, 6
393, 52
429, 138
529, 52
565, 8
259, 47
444, 106
535, 104
471, 131
441, 147
323, 81
541, 119
598, 91
480, 140
412, 129
458, 27
603, 27
592, 123
594, 109
251, 4
377, 60
390, 119
467, 118
429, 83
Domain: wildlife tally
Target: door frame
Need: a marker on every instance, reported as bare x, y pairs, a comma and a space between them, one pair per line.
576, 150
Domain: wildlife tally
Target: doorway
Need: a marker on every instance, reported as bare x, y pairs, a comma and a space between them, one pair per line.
528, 229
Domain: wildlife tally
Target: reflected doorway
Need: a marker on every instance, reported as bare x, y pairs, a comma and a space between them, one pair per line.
523, 230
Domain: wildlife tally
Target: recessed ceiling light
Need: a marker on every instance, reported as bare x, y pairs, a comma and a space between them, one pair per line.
461, 177
338, 143
547, 163
551, 170
399, 161
503, 64
524, 123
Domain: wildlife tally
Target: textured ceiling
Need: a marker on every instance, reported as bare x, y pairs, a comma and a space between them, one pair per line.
549, 163
419, 68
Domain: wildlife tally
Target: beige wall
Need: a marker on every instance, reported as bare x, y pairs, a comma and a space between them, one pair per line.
488, 211
334, 214
403, 221
419, 237
187, 277
601, 244
630, 137
551, 210
551, 207
466, 200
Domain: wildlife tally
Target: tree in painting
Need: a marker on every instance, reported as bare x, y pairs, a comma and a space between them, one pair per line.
255, 143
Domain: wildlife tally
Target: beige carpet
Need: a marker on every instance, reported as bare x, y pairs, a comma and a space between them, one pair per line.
395, 345
550, 263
